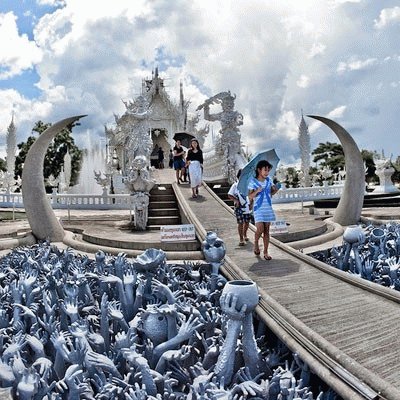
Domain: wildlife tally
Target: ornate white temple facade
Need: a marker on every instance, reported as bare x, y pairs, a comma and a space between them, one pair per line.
148, 123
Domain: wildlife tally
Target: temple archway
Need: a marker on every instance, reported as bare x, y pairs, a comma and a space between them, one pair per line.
159, 137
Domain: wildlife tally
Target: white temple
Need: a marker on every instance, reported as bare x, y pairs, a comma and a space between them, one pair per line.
150, 122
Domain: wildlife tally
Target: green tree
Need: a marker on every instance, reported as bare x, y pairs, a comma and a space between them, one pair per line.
368, 157
396, 174
330, 155
54, 158
3, 165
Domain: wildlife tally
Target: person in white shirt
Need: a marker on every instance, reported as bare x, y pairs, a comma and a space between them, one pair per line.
242, 211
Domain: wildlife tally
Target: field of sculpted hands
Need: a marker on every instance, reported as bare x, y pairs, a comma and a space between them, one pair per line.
371, 252
134, 329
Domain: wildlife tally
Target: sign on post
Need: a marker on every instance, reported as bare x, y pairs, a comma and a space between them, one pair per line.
278, 226
177, 233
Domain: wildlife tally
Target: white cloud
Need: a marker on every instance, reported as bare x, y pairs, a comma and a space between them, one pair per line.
387, 17
277, 57
17, 53
287, 125
340, 2
54, 3
337, 112
316, 49
303, 81
356, 65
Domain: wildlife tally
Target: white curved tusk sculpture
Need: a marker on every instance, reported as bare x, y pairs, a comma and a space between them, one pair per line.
41, 217
348, 211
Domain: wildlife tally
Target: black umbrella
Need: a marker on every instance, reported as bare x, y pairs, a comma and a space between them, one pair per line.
184, 137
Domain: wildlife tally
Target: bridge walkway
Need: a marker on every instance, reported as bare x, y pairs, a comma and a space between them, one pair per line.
350, 329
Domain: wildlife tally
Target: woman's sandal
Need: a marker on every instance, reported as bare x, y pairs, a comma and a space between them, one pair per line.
246, 239
267, 257
257, 252
242, 243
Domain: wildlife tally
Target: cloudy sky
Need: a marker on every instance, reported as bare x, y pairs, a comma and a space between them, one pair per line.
334, 58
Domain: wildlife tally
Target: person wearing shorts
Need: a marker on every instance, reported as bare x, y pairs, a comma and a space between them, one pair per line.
242, 211
179, 162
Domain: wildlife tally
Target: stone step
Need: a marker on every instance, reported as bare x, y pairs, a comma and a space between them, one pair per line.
189, 245
164, 220
221, 190
223, 196
162, 197
162, 204
162, 190
163, 212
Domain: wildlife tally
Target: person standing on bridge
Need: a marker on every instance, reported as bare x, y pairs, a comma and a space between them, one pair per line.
194, 160
179, 162
261, 189
242, 210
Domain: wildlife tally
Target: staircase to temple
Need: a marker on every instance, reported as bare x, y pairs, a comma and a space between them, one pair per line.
163, 207
116, 230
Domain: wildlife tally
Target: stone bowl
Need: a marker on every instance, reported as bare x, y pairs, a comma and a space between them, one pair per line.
354, 234
377, 234
246, 291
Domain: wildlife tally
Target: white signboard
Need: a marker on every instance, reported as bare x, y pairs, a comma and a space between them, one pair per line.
174, 233
278, 226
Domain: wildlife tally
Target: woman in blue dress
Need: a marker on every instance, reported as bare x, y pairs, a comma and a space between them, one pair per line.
261, 188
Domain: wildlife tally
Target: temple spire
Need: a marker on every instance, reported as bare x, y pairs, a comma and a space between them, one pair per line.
305, 149
11, 146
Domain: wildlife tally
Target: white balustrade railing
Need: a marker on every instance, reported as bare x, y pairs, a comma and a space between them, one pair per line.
123, 201
74, 201
308, 193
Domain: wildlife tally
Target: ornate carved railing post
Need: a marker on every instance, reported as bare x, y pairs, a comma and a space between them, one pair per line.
139, 184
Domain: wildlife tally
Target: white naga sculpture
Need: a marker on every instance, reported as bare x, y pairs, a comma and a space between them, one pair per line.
103, 181
139, 184
229, 146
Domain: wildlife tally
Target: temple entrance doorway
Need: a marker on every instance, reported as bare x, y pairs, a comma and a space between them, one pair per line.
159, 136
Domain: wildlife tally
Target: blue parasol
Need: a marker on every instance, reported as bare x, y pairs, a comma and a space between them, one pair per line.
248, 171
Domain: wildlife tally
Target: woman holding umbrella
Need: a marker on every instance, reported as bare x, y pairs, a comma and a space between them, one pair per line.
179, 162
261, 189
194, 160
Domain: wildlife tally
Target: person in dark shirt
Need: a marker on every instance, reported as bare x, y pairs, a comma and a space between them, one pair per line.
194, 160
171, 158
160, 158
179, 162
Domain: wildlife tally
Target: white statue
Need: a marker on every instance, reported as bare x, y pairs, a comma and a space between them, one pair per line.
139, 179
230, 137
139, 184
139, 141
140, 202
104, 182
384, 170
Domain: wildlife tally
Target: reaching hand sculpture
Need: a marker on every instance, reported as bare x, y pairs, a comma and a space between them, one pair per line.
214, 252
71, 327
370, 251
